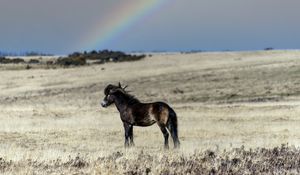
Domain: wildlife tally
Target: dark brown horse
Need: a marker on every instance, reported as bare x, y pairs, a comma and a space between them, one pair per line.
135, 113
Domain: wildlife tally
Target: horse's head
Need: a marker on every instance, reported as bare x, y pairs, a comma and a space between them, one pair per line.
110, 92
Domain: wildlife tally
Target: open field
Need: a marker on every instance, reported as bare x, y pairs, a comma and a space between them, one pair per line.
51, 121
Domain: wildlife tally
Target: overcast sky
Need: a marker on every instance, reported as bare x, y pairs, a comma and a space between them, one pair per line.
58, 26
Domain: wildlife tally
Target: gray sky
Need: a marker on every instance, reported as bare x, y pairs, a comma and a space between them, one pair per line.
58, 26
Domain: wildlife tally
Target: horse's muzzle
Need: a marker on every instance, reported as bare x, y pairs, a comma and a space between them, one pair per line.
103, 104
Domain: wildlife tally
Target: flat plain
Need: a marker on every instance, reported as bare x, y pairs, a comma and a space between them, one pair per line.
51, 121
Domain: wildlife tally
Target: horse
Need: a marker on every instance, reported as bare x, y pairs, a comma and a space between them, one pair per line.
134, 113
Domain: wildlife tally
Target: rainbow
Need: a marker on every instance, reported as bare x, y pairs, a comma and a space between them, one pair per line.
122, 17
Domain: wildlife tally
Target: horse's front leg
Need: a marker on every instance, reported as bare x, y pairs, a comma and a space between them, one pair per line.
131, 135
127, 134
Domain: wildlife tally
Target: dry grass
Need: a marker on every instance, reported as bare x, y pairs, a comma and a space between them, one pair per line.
279, 160
51, 121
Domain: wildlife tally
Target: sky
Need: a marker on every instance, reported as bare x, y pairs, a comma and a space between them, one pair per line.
65, 26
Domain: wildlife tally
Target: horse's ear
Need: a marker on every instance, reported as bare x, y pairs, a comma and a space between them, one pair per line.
120, 85
125, 87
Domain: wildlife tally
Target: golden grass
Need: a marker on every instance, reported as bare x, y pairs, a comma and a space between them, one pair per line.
51, 121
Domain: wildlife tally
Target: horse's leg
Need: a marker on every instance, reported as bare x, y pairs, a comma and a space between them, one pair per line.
166, 134
172, 127
174, 136
131, 135
127, 129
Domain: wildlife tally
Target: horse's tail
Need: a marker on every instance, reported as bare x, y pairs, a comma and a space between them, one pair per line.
173, 127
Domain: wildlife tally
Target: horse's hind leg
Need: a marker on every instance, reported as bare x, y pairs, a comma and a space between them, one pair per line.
174, 137
174, 134
166, 134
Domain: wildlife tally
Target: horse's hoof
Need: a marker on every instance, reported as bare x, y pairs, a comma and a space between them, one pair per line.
126, 145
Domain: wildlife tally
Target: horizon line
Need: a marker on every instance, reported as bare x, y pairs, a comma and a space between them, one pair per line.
40, 53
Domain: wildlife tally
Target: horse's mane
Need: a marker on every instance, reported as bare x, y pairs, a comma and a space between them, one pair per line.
130, 99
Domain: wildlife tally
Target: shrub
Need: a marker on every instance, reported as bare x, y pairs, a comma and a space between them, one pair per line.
33, 61
71, 61
49, 62
4, 60
100, 57
17, 60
